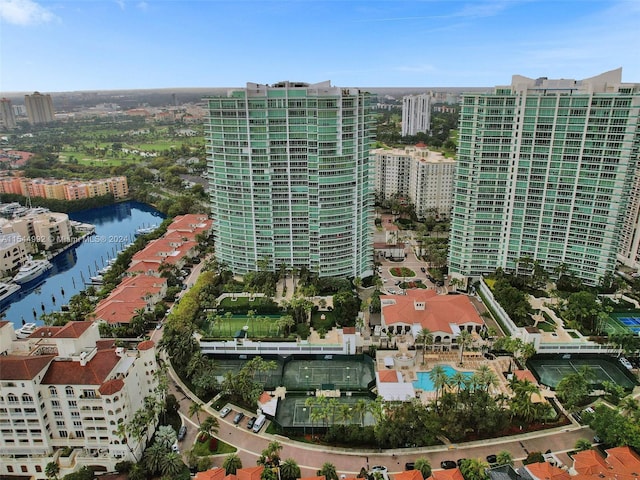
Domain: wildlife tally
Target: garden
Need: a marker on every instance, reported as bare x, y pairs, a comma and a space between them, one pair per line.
402, 272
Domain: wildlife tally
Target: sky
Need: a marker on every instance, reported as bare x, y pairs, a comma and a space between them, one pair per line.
71, 45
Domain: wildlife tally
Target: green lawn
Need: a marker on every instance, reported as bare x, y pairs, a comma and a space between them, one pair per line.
201, 449
259, 326
319, 324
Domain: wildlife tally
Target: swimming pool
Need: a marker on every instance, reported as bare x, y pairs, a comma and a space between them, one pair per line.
425, 383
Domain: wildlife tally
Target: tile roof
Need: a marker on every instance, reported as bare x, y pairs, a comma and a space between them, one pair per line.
19, 367
111, 386
546, 471
525, 375
388, 376
73, 330
250, 473
439, 313
453, 474
146, 345
95, 372
212, 474
409, 475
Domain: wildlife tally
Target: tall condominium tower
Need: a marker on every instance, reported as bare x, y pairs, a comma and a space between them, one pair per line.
289, 176
39, 108
416, 114
7, 116
545, 169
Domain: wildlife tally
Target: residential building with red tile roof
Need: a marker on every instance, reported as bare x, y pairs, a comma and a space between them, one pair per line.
408, 475
65, 390
211, 474
443, 315
250, 473
620, 463
453, 474
132, 295
546, 471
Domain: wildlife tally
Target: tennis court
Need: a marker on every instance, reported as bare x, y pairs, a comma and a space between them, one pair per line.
296, 413
628, 321
551, 370
336, 373
270, 379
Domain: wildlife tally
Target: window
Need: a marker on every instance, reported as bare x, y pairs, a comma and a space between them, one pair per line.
69, 391
53, 391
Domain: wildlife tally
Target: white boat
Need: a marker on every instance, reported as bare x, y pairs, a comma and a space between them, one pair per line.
8, 289
145, 230
97, 280
26, 330
32, 270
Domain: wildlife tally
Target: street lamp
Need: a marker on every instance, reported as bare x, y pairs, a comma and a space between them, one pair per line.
304, 424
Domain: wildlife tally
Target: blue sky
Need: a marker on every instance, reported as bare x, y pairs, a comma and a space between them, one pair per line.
50, 45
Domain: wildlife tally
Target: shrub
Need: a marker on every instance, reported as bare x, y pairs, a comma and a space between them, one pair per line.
213, 444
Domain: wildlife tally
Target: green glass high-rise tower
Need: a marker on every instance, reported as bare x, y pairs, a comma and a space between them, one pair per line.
289, 178
544, 172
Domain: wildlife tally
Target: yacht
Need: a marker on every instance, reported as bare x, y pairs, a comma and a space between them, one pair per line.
32, 270
26, 330
7, 289
145, 230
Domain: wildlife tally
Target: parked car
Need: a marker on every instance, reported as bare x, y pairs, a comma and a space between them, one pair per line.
448, 464
224, 412
410, 466
174, 448
459, 462
491, 459
182, 432
238, 418
250, 423
423, 270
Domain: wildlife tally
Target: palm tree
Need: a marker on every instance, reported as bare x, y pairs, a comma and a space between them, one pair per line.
52, 470
504, 457
290, 469
272, 452
194, 409
360, 408
172, 465
329, 471
582, 444
153, 457
464, 340
209, 426
630, 406
423, 466
474, 469
232, 464
426, 338
439, 379
486, 377
165, 436
457, 379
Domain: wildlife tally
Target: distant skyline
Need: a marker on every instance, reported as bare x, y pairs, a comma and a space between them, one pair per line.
68, 45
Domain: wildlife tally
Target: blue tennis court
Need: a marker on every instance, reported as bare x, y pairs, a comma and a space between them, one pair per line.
632, 323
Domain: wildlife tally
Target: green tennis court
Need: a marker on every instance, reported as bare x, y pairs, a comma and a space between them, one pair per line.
329, 374
295, 412
550, 370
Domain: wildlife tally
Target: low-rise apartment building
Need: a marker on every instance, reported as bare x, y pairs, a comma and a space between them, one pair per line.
64, 395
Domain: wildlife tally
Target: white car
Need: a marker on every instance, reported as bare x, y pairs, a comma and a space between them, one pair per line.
224, 412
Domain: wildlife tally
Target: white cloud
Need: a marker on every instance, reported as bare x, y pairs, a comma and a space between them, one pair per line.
24, 12
120, 4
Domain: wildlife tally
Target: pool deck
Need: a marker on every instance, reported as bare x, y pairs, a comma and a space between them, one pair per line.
471, 362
